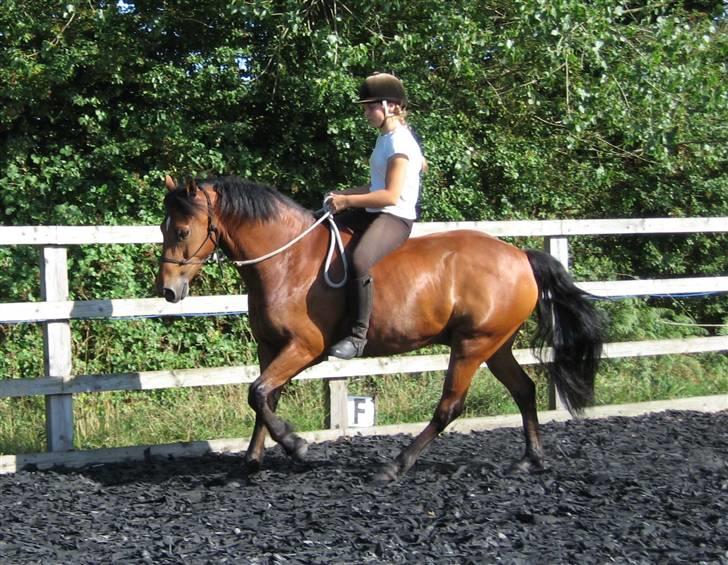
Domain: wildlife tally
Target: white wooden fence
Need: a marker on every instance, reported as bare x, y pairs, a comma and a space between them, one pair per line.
59, 384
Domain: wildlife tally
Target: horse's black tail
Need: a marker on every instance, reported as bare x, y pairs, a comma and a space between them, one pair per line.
572, 326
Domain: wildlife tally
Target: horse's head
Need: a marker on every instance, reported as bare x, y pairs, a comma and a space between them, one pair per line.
190, 237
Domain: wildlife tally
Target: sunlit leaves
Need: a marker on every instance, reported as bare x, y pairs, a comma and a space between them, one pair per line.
526, 108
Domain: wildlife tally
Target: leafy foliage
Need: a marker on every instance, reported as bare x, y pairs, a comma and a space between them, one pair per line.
526, 109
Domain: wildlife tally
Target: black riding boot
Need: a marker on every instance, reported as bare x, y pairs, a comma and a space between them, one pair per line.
353, 345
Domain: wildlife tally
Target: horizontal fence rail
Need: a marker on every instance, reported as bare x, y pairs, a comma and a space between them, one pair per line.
220, 305
85, 235
56, 311
332, 369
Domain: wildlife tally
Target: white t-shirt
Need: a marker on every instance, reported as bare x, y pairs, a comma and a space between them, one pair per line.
399, 141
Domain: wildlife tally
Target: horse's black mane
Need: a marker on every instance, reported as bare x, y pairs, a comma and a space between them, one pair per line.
237, 199
241, 198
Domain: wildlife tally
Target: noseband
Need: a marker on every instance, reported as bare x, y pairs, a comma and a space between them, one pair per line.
211, 235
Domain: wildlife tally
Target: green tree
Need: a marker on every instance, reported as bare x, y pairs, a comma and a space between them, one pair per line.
526, 109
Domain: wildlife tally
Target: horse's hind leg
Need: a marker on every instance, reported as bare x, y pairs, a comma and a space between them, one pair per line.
465, 358
507, 370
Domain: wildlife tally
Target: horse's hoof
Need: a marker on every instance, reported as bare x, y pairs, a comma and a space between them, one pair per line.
252, 466
299, 449
386, 474
526, 466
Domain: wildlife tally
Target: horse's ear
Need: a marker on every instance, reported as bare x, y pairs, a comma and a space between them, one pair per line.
170, 183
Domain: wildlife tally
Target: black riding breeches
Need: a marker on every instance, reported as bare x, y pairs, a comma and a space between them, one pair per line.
381, 233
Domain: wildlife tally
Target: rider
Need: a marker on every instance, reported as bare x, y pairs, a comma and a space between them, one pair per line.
383, 211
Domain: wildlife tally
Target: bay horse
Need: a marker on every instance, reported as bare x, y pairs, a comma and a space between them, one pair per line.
461, 288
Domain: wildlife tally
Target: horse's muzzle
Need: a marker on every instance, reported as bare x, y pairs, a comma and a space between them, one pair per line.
175, 295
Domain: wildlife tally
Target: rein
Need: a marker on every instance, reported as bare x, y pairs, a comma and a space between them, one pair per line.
334, 240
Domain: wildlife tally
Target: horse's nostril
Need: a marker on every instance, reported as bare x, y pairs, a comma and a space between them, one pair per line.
170, 295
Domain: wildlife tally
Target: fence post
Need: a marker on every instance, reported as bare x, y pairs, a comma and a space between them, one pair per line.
557, 247
57, 349
336, 391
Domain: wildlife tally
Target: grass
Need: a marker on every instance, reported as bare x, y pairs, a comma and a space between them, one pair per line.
662, 378
137, 418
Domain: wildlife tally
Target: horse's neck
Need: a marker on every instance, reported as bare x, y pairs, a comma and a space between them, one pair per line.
255, 239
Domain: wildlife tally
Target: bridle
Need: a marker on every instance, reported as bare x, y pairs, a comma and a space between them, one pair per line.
214, 236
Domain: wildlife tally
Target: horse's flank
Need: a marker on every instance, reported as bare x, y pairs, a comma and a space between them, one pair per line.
418, 277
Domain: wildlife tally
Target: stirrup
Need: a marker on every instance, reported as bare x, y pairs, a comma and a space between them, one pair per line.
348, 348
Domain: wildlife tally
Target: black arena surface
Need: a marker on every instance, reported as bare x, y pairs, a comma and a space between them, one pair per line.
649, 489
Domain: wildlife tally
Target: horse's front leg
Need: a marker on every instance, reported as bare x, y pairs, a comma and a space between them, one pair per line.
262, 397
256, 447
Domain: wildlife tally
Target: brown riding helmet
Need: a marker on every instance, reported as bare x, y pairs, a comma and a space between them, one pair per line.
382, 86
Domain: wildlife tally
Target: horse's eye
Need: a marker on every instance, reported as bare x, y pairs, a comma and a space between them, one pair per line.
183, 234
